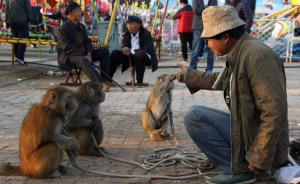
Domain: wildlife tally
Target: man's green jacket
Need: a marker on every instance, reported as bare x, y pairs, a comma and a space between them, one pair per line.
254, 84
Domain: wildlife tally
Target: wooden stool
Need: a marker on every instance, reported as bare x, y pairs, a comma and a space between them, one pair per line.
73, 78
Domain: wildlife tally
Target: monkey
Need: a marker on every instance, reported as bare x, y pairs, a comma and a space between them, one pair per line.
155, 117
86, 121
41, 142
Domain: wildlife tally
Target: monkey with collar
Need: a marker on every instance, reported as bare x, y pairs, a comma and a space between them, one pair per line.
86, 122
155, 117
41, 141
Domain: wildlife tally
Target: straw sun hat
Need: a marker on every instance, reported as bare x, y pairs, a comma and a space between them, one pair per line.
218, 19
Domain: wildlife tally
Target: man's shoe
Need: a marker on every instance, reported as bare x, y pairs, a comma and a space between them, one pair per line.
21, 62
139, 84
242, 178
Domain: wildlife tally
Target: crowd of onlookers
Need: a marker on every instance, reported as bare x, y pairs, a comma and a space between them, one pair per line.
19, 14
75, 48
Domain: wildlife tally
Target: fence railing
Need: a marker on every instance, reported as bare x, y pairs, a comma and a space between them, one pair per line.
282, 35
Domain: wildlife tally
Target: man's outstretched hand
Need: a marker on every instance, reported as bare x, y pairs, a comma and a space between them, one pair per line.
181, 75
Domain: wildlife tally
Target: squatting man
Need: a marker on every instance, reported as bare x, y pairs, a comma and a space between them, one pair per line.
253, 137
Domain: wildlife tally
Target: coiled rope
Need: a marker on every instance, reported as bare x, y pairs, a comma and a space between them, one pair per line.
188, 159
159, 158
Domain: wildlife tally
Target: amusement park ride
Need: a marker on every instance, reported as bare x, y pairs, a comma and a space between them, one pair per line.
280, 27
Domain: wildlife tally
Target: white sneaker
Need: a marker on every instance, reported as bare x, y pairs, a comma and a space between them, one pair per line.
21, 62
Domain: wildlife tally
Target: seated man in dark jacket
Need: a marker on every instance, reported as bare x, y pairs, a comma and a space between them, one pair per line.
74, 47
137, 45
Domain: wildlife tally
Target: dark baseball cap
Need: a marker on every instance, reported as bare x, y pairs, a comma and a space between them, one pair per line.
132, 18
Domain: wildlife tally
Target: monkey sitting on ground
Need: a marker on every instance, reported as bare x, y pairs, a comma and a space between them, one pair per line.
85, 120
155, 117
41, 142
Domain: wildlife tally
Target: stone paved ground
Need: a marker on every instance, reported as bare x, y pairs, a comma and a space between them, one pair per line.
124, 136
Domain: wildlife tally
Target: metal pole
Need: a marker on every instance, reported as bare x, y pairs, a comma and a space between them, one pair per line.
13, 54
292, 40
112, 19
132, 73
155, 17
162, 20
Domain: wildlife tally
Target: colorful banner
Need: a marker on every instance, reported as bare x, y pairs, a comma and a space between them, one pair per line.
145, 4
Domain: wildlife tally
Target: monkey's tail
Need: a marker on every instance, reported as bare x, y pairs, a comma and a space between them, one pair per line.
6, 169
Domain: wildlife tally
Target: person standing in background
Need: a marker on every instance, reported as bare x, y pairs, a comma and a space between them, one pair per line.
18, 16
198, 42
245, 9
185, 17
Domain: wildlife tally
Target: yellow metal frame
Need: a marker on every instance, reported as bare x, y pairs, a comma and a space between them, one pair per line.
295, 2
285, 12
272, 18
112, 20
155, 17
27, 41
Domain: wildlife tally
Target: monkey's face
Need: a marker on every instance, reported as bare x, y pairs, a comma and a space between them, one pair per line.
165, 77
99, 94
66, 103
91, 93
60, 100
70, 104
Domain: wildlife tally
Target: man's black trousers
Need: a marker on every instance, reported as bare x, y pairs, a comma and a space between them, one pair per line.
140, 59
98, 55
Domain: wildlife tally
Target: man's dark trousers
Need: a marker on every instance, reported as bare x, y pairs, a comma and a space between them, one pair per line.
210, 131
20, 31
140, 59
101, 55
185, 39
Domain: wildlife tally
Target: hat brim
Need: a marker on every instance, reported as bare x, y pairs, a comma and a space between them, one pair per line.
220, 28
130, 21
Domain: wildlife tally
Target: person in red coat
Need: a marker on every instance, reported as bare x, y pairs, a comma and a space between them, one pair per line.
185, 16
